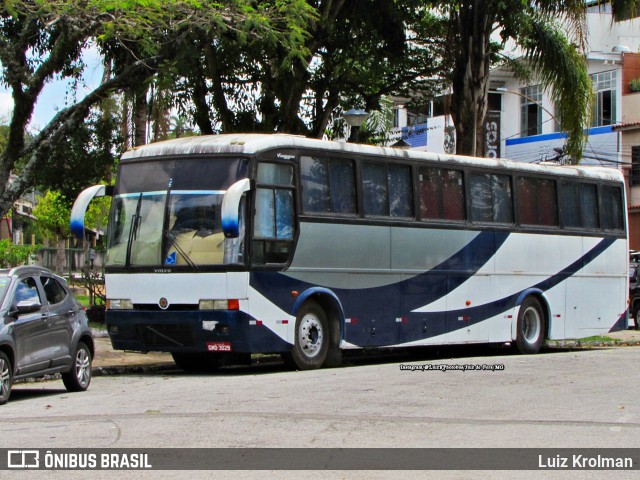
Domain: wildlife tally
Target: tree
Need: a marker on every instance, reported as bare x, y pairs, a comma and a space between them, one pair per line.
41, 40
555, 58
85, 156
353, 53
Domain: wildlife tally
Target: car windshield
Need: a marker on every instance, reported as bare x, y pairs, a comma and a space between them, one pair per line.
168, 212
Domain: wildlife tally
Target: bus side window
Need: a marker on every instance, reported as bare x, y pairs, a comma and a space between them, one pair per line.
441, 194
612, 203
387, 190
274, 225
491, 198
580, 205
328, 185
537, 201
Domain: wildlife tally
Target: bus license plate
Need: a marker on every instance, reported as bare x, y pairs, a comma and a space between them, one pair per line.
219, 346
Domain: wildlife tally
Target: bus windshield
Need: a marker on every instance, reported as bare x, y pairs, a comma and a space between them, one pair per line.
167, 213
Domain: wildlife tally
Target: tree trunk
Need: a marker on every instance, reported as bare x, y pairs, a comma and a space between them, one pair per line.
60, 256
140, 116
471, 77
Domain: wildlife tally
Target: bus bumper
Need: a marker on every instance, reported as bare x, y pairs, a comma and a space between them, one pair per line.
225, 331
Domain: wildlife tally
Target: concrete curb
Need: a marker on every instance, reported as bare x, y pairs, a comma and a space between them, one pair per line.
128, 369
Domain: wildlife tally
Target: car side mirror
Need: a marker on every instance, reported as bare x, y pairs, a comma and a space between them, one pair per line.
26, 306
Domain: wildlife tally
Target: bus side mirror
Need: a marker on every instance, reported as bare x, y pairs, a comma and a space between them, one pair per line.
230, 208
80, 207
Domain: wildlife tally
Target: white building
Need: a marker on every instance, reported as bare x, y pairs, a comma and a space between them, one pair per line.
521, 124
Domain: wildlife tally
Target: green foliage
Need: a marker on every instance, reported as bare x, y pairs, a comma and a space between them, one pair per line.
14, 255
53, 212
563, 68
377, 127
552, 35
43, 40
98, 213
84, 157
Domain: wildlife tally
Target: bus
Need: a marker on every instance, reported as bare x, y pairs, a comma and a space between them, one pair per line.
222, 246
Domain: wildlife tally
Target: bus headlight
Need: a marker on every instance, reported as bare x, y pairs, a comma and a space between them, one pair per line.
119, 304
219, 304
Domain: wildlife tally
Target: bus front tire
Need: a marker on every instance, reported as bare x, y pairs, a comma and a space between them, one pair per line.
312, 338
531, 326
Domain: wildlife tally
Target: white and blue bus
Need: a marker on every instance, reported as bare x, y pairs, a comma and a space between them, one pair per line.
222, 246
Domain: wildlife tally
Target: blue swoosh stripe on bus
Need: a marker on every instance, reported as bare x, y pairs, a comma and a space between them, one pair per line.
484, 312
415, 292
387, 302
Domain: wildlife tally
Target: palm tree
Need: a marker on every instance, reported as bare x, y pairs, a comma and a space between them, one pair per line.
554, 57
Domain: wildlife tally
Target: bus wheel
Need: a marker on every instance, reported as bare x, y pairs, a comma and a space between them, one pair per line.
637, 318
311, 338
531, 326
196, 362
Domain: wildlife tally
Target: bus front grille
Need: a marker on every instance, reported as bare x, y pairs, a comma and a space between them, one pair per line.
166, 335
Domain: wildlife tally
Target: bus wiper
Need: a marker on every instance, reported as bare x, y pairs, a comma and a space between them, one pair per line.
133, 233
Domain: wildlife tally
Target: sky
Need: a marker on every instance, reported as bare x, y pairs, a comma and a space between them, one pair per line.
54, 94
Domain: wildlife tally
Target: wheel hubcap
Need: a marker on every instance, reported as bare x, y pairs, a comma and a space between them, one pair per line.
310, 335
83, 367
531, 325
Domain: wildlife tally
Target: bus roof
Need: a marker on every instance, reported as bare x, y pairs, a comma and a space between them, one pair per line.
255, 143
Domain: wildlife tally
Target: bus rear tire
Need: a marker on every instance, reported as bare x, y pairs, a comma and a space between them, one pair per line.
531, 330
312, 338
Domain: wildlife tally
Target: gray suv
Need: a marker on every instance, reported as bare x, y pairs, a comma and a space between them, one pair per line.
43, 330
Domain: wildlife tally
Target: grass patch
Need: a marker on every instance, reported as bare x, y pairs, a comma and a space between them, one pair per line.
597, 338
84, 300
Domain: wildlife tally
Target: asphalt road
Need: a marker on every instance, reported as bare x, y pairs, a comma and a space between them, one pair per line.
558, 399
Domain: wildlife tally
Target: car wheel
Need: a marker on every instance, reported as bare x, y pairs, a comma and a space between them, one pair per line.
531, 326
78, 378
312, 338
6, 377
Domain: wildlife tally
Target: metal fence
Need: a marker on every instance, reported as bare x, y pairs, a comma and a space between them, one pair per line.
67, 261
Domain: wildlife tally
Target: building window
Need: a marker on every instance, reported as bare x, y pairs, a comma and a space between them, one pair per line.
531, 111
604, 112
635, 165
